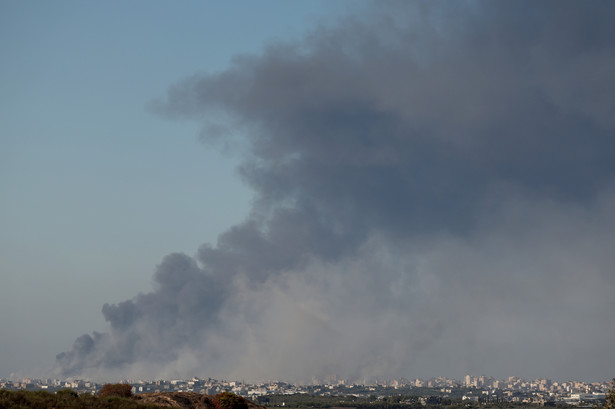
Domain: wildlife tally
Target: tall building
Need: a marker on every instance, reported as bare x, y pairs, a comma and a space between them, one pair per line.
467, 380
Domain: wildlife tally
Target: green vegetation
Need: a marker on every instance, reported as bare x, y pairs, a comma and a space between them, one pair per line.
114, 396
306, 401
66, 399
609, 400
228, 400
120, 390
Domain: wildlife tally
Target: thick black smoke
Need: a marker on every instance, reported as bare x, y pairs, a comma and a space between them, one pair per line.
434, 194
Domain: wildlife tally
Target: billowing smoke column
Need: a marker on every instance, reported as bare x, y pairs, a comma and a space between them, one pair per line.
434, 194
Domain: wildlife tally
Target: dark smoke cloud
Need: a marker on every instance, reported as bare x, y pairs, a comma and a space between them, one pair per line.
434, 194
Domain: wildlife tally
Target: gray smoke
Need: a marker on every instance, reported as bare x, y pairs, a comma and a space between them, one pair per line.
434, 194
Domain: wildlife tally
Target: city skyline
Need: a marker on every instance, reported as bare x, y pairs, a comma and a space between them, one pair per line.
442, 391
468, 380
481, 389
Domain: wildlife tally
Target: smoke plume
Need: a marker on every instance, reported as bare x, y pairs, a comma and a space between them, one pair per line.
433, 195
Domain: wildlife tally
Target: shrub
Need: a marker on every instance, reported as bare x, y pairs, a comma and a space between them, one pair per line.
228, 400
67, 393
121, 390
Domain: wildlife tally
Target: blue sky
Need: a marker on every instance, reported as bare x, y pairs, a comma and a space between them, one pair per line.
95, 188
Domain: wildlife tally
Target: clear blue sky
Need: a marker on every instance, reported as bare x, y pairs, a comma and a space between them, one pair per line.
94, 188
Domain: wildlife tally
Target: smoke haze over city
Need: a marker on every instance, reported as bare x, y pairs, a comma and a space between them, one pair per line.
433, 193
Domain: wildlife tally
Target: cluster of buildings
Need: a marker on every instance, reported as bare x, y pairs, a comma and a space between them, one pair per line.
471, 388
514, 389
